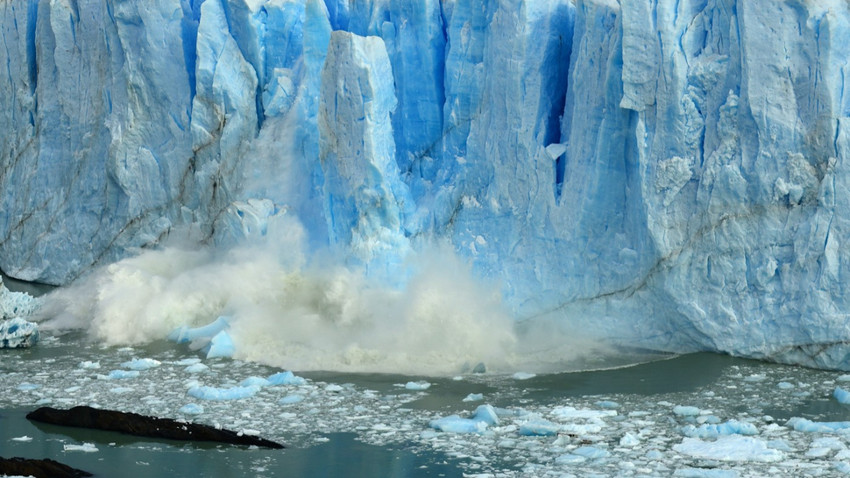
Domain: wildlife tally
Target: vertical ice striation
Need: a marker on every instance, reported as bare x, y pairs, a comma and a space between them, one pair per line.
365, 198
661, 173
89, 167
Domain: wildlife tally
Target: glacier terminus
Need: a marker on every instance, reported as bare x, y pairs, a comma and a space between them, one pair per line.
671, 175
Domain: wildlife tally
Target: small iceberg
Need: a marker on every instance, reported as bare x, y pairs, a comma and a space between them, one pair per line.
18, 333
212, 339
484, 416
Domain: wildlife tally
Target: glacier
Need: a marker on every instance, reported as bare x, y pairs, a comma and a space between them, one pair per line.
663, 174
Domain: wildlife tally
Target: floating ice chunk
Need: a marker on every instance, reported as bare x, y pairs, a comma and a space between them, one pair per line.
85, 448
571, 413
686, 411
523, 375
629, 440
569, 459
141, 364
290, 399
89, 365
474, 397
421, 385
843, 396
486, 414
334, 388
120, 374
756, 377
731, 427
705, 473
18, 333
22, 439
829, 442
804, 425
258, 382
188, 361
729, 448
785, 385
26, 386
196, 368
591, 452
286, 378
120, 390
221, 345
213, 393
843, 378
607, 404
192, 409
654, 455
456, 424
185, 334
711, 419
539, 427
818, 452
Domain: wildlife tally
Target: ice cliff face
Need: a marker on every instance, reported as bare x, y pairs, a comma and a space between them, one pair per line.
669, 174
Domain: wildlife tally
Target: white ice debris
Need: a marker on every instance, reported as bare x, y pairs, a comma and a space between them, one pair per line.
229, 393
419, 385
290, 399
732, 427
730, 448
141, 364
119, 375
85, 448
523, 375
285, 378
192, 409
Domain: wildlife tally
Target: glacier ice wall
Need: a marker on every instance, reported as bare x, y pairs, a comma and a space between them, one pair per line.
668, 174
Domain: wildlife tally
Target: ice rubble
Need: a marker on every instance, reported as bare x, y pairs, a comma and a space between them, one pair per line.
15, 331
644, 435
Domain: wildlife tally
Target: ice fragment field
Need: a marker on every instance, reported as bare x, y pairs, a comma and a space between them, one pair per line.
742, 419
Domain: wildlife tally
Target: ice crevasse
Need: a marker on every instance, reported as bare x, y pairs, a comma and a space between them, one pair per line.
668, 174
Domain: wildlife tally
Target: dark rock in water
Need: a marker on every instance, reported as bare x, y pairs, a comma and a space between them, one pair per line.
140, 425
38, 468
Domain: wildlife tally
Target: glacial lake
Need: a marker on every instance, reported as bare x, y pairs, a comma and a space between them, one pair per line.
691, 415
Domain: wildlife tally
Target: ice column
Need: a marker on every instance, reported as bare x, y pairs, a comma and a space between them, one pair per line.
365, 199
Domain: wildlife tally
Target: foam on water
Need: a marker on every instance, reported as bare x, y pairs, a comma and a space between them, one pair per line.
283, 313
301, 311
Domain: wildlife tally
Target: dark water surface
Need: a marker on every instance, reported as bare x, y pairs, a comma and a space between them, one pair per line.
122, 455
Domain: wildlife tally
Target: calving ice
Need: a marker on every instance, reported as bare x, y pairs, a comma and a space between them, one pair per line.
661, 174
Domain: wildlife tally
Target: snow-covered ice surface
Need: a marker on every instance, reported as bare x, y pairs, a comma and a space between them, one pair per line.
695, 415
